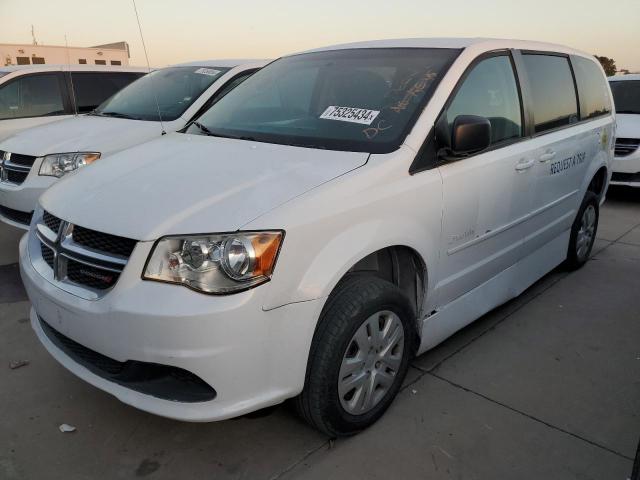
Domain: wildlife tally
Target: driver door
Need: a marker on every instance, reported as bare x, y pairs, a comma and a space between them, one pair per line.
486, 196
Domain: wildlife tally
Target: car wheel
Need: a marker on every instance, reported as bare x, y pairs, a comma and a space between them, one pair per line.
359, 356
583, 232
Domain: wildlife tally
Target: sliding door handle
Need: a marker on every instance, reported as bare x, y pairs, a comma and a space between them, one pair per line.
524, 164
547, 156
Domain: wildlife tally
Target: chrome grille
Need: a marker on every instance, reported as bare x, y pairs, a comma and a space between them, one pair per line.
47, 254
14, 167
71, 259
52, 222
626, 146
103, 241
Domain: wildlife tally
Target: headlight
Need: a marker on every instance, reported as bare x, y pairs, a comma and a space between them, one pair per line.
216, 263
58, 164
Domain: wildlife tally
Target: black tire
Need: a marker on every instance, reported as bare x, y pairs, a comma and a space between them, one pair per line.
354, 300
574, 260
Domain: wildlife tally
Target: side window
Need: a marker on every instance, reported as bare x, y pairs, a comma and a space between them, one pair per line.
31, 96
593, 90
553, 95
91, 89
490, 90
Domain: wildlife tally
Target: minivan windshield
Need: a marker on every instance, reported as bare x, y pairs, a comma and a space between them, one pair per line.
363, 100
626, 96
176, 88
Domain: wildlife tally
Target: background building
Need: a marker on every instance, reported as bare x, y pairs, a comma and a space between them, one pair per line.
27, 54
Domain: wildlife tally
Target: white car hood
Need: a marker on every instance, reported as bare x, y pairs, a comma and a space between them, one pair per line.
183, 184
628, 125
86, 133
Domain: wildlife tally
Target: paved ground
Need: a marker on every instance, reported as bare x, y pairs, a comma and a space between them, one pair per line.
545, 387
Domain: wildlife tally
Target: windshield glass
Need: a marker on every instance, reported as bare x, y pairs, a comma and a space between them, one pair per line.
175, 87
626, 95
362, 100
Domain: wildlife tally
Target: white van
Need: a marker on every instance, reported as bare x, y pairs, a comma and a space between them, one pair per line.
626, 163
339, 212
35, 159
35, 95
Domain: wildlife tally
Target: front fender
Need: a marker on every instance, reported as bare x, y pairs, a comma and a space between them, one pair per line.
330, 230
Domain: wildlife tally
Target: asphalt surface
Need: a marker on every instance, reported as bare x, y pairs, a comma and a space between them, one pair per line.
546, 386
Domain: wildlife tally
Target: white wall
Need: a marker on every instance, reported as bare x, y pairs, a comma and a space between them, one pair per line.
60, 55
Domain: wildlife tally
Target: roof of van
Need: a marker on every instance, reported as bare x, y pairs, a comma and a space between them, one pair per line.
441, 42
630, 76
227, 62
75, 68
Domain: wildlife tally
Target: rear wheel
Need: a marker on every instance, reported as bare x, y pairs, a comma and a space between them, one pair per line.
583, 231
359, 356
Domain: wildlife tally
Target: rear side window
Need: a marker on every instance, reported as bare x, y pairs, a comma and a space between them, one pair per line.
593, 91
91, 89
490, 91
31, 96
553, 94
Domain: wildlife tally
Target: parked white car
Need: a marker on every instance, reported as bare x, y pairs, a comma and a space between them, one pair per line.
33, 160
339, 212
626, 163
32, 95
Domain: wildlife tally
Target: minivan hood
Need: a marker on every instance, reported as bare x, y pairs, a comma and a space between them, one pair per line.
628, 125
184, 184
84, 133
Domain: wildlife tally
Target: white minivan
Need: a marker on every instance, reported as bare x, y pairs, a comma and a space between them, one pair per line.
33, 160
626, 162
32, 95
339, 212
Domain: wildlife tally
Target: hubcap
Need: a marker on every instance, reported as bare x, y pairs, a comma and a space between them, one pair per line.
586, 232
371, 362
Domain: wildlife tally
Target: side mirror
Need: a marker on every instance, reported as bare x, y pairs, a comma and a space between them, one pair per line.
470, 134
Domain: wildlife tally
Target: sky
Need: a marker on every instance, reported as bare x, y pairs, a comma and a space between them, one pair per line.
185, 30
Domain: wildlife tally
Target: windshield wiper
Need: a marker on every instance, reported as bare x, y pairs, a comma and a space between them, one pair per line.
203, 128
211, 133
117, 115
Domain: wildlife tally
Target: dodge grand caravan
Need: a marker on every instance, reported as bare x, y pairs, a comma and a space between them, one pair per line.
339, 212
626, 97
33, 160
35, 95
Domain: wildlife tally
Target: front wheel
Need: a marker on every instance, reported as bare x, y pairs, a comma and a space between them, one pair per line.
583, 231
359, 356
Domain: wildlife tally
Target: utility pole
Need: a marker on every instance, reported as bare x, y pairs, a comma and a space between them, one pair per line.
33, 36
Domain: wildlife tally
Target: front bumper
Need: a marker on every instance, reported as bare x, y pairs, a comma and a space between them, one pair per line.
252, 358
626, 170
23, 198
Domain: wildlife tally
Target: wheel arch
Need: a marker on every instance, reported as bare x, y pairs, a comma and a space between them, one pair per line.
598, 182
399, 264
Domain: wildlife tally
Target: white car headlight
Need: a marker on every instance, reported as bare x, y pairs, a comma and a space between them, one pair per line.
216, 263
58, 164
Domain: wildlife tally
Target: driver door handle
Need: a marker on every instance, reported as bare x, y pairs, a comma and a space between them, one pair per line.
524, 164
549, 155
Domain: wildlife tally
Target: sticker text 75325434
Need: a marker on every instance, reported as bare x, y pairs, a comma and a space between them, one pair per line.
363, 116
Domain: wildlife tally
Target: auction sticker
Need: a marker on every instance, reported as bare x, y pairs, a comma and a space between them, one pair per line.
212, 72
350, 114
